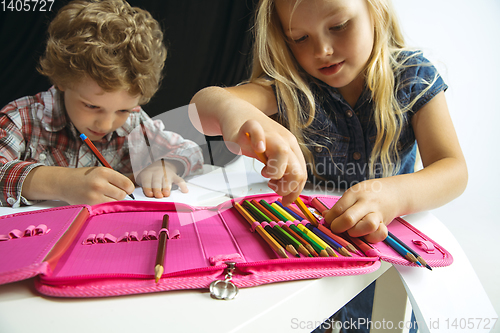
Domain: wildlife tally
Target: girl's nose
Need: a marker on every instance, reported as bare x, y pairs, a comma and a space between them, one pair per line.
323, 47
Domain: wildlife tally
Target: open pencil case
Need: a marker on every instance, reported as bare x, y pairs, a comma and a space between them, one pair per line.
110, 249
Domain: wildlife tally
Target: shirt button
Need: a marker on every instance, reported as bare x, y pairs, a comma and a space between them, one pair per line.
349, 113
399, 146
11, 201
318, 149
42, 157
356, 156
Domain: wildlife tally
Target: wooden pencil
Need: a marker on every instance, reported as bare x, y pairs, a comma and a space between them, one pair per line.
401, 250
162, 248
263, 233
318, 240
419, 258
317, 248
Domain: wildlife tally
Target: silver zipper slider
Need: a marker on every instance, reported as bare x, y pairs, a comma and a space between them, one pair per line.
225, 289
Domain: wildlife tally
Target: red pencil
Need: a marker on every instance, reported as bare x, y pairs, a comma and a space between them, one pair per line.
98, 154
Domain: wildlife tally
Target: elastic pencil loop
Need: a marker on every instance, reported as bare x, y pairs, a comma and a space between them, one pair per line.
175, 234
281, 223
273, 224
15, 233
100, 238
29, 231
89, 240
424, 245
133, 236
41, 229
289, 223
264, 224
254, 226
145, 235
152, 235
123, 238
164, 230
4, 238
304, 222
109, 238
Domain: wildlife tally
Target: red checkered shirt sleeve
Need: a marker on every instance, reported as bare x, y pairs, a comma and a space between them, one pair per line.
13, 170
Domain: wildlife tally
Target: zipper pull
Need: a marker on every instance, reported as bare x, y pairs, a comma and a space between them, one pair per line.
225, 289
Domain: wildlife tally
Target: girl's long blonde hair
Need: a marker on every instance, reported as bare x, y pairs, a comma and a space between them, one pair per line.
272, 57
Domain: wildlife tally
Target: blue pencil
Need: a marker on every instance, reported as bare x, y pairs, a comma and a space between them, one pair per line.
401, 250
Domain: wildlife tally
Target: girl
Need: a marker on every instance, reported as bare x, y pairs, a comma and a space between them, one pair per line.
335, 94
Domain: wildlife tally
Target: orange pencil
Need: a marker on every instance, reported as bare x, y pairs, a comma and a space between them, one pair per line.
269, 240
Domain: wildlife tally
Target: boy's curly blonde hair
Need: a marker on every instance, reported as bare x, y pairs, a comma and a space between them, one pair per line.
118, 46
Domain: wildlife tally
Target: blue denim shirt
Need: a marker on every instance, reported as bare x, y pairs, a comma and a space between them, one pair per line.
349, 133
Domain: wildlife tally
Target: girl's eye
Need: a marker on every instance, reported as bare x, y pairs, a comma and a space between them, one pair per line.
124, 111
339, 27
299, 40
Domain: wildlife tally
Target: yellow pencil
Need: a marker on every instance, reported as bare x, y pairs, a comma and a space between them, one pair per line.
269, 240
318, 240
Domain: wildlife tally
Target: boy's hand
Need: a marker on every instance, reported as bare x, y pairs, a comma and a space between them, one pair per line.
92, 185
156, 180
365, 209
285, 164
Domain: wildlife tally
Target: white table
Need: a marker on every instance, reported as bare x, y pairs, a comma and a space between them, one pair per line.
297, 306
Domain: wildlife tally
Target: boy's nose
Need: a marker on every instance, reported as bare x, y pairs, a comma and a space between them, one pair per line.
104, 124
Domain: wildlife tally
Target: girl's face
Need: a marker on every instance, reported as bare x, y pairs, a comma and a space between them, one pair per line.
331, 39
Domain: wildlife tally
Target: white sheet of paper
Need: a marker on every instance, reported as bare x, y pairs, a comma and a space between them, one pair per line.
453, 292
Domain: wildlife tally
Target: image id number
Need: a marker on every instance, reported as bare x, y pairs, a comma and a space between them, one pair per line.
27, 5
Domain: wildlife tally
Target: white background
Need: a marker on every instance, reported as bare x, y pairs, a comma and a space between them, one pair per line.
462, 39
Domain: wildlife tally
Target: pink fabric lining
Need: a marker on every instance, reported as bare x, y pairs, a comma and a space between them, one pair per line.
210, 236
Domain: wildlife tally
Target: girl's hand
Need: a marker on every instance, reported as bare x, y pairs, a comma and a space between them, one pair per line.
365, 209
279, 150
156, 180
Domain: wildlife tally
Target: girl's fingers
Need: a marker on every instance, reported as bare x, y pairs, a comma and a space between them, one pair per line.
379, 235
370, 223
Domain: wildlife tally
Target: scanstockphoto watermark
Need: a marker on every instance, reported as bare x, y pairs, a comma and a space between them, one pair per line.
472, 324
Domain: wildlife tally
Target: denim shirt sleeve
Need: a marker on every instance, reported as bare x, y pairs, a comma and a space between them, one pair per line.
418, 76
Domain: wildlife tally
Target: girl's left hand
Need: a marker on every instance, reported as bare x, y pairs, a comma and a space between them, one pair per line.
365, 209
157, 179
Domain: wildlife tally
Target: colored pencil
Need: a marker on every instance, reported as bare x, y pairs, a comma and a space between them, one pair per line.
317, 239
295, 210
319, 205
263, 233
401, 250
309, 216
264, 210
330, 241
415, 254
98, 155
310, 250
162, 248
273, 210
317, 248
289, 211
282, 212
279, 236
364, 247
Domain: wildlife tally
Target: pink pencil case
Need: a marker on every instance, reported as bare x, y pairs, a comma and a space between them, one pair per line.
110, 249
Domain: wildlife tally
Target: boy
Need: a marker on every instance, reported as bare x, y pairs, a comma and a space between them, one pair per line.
104, 59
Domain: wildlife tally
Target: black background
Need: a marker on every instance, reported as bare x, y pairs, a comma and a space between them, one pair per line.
208, 43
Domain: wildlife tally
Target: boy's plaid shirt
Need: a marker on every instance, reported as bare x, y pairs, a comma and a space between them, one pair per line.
36, 131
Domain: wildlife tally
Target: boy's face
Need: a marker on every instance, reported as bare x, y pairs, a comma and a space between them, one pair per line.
95, 112
331, 39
